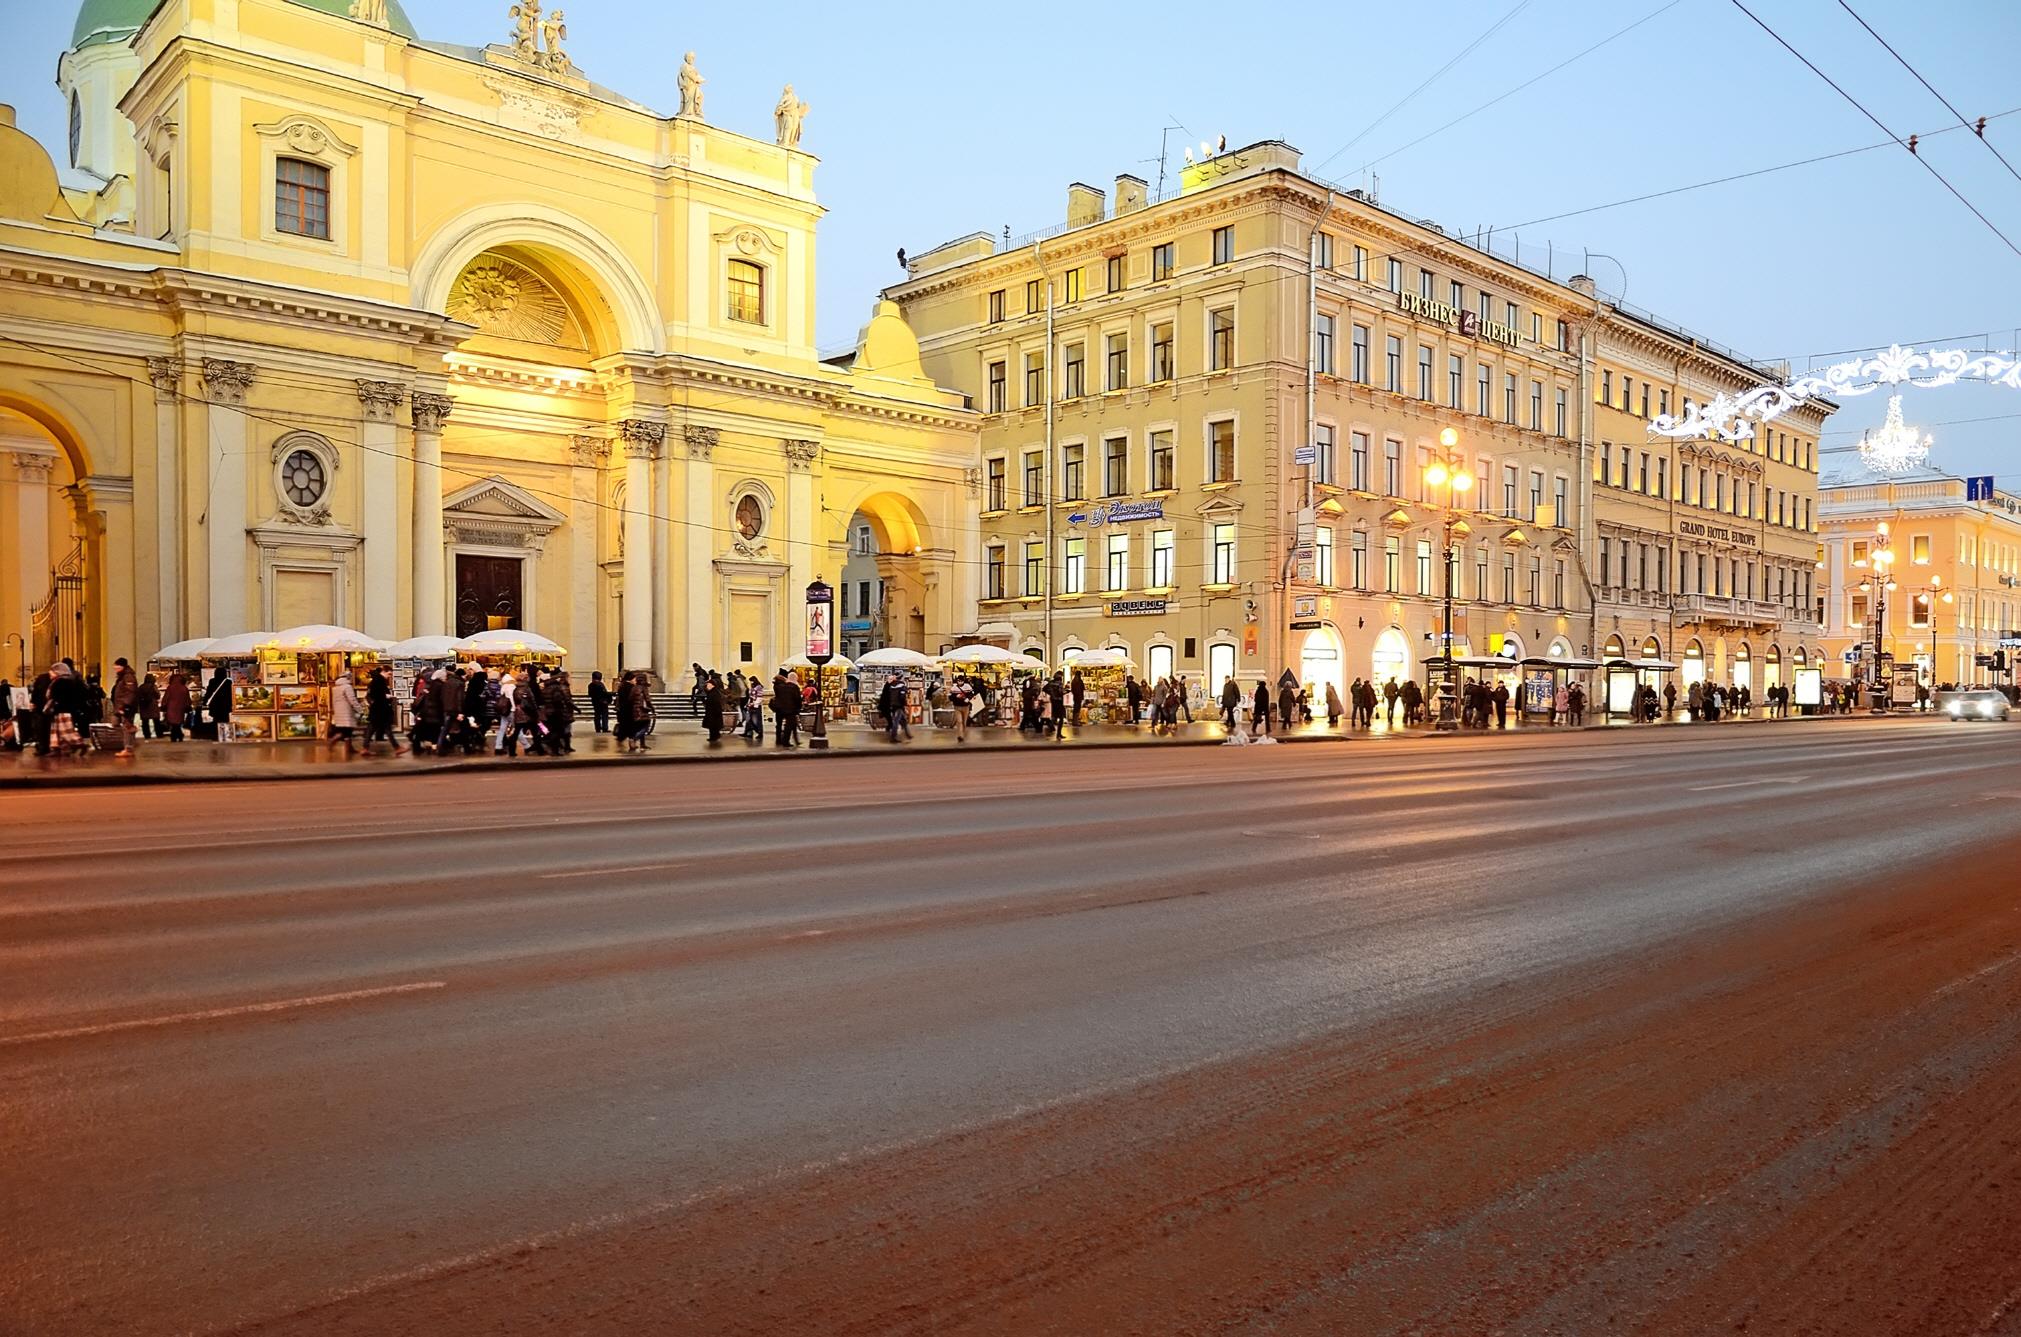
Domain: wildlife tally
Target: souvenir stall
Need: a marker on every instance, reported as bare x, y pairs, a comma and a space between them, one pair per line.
184, 655
1104, 673
834, 682
252, 699
300, 665
992, 666
495, 651
405, 662
880, 666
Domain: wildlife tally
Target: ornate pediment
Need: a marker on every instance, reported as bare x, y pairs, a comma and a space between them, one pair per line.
494, 512
505, 298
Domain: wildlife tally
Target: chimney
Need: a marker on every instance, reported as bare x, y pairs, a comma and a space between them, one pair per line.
1130, 194
1581, 283
1085, 205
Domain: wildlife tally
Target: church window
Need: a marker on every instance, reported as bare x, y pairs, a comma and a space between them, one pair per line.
747, 292
302, 198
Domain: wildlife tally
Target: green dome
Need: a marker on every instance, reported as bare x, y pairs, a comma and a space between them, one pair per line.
116, 20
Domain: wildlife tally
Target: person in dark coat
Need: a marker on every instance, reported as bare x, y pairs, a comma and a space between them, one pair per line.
175, 705
1231, 701
1056, 692
1133, 691
1287, 706
893, 704
1501, 705
559, 702
218, 704
1077, 688
626, 705
712, 708
599, 702
1261, 722
379, 711
476, 710
786, 698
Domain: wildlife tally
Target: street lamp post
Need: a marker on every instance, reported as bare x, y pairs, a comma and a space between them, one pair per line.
1883, 559
1449, 472
1928, 599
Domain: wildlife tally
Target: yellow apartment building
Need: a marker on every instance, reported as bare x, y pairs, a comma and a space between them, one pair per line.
422, 338
1207, 422
1954, 558
1705, 551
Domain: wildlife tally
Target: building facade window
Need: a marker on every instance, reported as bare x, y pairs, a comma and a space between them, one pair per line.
1161, 262
1396, 275
1161, 352
1357, 560
1221, 451
994, 500
1117, 575
1075, 284
1558, 423
1115, 466
1161, 462
302, 198
1322, 454
1392, 561
1425, 373
1119, 361
996, 306
1221, 563
1361, 264
993, 573
1322, 249
1322, 555
1322, 345
1359, 355
1163, 545
1075, 372
999, 391
1035, 301
1035, 570
1116, 282
1393, 364
1035, 379
1509, 397
1357, 461
1456, 378
1392, 468
1221, 339
1035, 475
1484, 379
1424, 567
1072, 475
1074, 566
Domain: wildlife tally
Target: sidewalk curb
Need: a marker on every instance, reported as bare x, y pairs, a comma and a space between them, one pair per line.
334, 770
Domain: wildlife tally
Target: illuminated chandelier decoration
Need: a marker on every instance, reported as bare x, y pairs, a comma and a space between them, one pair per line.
1896, 448
1733, 417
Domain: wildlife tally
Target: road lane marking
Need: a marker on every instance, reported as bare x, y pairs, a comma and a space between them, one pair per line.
1977, 975
612, 872
1742, 784
215, 1013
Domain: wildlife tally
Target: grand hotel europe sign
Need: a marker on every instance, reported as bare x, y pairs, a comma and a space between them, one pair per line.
1469, 324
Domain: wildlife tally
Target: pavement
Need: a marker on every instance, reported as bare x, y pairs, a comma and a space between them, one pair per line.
1697, 1030
682, 741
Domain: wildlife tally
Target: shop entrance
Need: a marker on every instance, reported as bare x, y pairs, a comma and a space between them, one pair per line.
1391, 658
487, 593
1319, 663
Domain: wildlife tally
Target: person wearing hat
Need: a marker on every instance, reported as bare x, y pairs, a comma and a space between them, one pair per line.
125, 704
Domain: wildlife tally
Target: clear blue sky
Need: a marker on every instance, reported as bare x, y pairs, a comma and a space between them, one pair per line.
932, 121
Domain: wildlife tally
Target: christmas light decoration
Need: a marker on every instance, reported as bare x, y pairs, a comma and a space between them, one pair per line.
1896, 448
1733, 417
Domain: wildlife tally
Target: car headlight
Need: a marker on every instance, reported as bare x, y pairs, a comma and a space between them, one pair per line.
1954, 708
1987, 710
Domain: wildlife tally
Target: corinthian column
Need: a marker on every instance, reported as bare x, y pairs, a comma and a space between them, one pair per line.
431, 587
379, 505
225, 385
642, 446
166, 373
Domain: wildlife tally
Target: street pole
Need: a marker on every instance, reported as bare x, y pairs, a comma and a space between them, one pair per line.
1450, 474
820, 651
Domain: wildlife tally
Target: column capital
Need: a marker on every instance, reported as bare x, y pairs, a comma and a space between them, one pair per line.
800, 455
32, 466
430, 410
589, 451
226, 381
701, 441
379, 399
166, 373
642, 438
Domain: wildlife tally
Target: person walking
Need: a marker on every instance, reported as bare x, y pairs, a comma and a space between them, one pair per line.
1694, 700
1077, 688
786, 697
1259, 715
175, 704
754, 709
1561, 705
1185, 699
560, 712
379, 711
508, 688
1575, 705
1133, 692
1390, 693
344, 713
960, 699
1056, 701
892, 704
701, 684
1332, 707
1501, 705
599, 701
125, 706
1413, 701
218, 705
147, 708
1231, 701
712, 709
1287, 706
624, 706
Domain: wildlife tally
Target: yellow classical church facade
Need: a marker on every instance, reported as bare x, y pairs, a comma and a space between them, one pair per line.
422, 339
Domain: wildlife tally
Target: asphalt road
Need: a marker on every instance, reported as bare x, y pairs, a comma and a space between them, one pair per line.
1698, 1031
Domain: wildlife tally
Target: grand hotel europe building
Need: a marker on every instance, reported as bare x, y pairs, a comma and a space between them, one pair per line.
1148, 390
424, 338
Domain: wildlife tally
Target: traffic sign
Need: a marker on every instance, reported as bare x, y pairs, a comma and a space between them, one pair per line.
1980, 488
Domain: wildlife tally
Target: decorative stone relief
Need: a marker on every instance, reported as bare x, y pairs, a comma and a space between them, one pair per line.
800, 455
505, 298
551, 114
380, 399
370, 11
642, 439
32, 466
701, 441
225, 381
307, 136
431, 411
166, 373
589, 451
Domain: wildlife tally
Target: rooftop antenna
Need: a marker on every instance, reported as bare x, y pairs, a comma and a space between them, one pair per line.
1164, 151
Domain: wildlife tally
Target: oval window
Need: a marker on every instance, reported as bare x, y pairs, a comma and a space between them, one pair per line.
302, 479
750, 517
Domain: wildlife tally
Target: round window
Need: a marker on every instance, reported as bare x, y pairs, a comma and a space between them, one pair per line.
750, 517
302, 480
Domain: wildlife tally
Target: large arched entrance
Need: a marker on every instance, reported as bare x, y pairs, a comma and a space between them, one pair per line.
892, 573
1391, 657
1320, 663
52, 603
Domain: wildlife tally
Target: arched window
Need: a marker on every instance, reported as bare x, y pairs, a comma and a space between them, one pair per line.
302, 198
76, 127
1652, 648
1613, 649
747, 292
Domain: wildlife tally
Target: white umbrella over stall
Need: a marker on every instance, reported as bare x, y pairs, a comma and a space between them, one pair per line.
510, 641
321, 637
983, 654
241, 646
183, 649
841, 662
425, 647
895, 657
1101, 659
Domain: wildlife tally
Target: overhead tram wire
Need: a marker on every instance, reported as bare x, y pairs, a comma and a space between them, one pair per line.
1900, 60
1927, 165
1427, 82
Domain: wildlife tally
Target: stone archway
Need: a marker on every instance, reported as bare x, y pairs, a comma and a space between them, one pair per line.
52, 558
896, 580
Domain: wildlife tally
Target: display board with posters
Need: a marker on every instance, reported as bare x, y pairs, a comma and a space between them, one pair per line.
1809, 688
1540, 691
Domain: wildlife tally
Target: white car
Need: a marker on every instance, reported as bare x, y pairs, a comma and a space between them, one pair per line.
1978, 703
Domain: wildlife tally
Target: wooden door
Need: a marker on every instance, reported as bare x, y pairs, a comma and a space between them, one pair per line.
487, 593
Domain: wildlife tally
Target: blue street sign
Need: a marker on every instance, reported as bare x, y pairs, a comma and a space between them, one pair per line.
1979, 489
